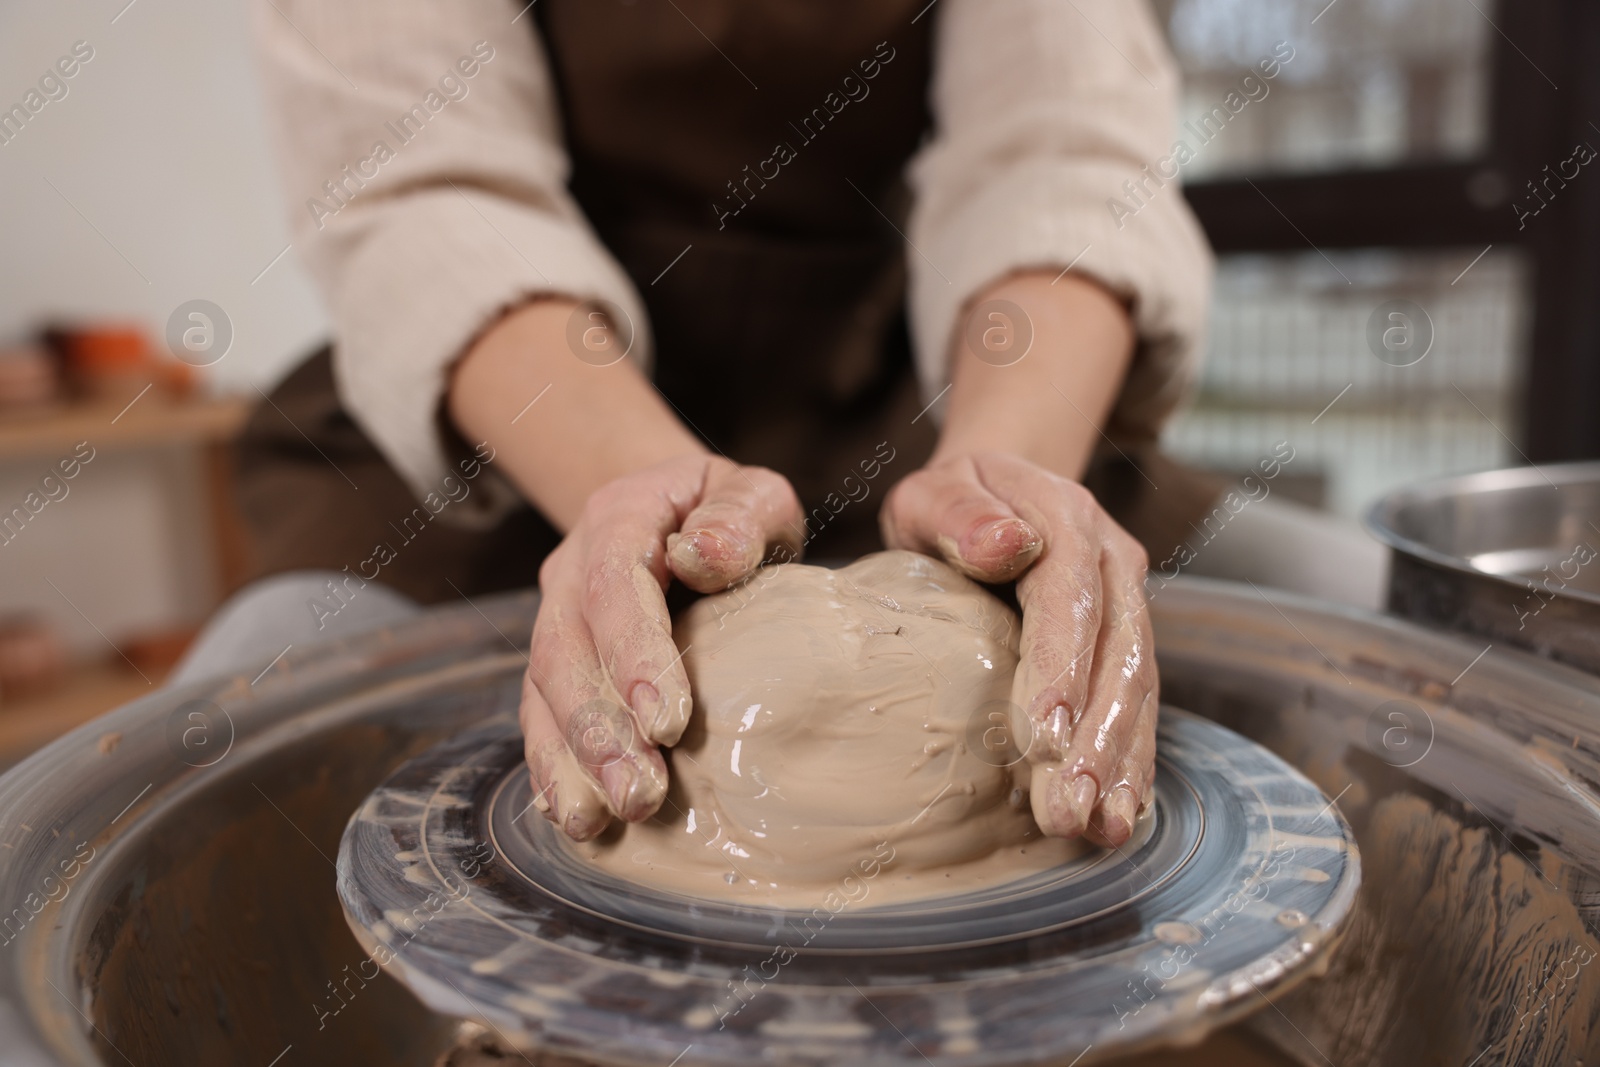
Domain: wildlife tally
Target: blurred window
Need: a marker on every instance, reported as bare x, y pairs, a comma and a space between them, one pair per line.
1377, 174
1371, 82
1290, 337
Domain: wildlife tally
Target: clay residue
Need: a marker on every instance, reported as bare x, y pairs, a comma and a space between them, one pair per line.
219, 930
1461, 951
830, 742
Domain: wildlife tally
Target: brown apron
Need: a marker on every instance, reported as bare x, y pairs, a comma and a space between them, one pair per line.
743, 161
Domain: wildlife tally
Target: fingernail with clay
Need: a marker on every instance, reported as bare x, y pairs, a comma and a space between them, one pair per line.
1056, 730
1003, 548
570, 798
664, 715
647, 708
547, 802
1118, 813
1074, 804
578, 828
633, 795
704, 557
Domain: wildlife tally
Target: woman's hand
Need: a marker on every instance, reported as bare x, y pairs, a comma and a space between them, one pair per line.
605, 684
1087, 680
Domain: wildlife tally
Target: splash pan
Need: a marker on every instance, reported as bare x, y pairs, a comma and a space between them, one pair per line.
1233, 889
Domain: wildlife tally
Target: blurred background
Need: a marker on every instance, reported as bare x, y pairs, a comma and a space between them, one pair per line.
1394, 159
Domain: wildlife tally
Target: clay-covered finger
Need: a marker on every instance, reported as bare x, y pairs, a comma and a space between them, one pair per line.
1120, 682
743, 514
948, 512
626, 611
1060, 597
1129, 790
599, 729
563, 792
1061, 797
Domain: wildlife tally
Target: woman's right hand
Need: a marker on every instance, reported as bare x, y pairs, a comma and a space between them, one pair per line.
606, 684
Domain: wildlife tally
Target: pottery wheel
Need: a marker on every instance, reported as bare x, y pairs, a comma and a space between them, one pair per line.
1234, 888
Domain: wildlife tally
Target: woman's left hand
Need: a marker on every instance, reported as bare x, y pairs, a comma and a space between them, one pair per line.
1087, 677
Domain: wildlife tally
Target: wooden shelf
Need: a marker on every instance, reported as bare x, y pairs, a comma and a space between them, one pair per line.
151, 421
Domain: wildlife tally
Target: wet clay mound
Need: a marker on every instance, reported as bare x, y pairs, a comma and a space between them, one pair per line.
830, 740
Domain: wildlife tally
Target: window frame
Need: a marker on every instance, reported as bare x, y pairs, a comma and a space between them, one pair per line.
1532, 122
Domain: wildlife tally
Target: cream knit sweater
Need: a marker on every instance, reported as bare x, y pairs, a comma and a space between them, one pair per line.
1043, 109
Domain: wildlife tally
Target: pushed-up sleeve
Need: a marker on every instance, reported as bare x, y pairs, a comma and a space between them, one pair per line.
424, 164
1045, 111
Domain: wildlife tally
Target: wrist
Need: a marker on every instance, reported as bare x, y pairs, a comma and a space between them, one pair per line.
562, 426
1035, 366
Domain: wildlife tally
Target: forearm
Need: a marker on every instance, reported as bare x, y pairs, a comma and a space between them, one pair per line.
589, 426
1049, 406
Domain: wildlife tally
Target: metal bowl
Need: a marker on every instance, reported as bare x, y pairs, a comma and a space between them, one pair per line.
167, 892
1511, 556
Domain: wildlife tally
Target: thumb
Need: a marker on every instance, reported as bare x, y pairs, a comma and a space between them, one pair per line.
742, 511
947, 511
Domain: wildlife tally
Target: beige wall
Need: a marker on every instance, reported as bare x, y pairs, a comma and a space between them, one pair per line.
161, 146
